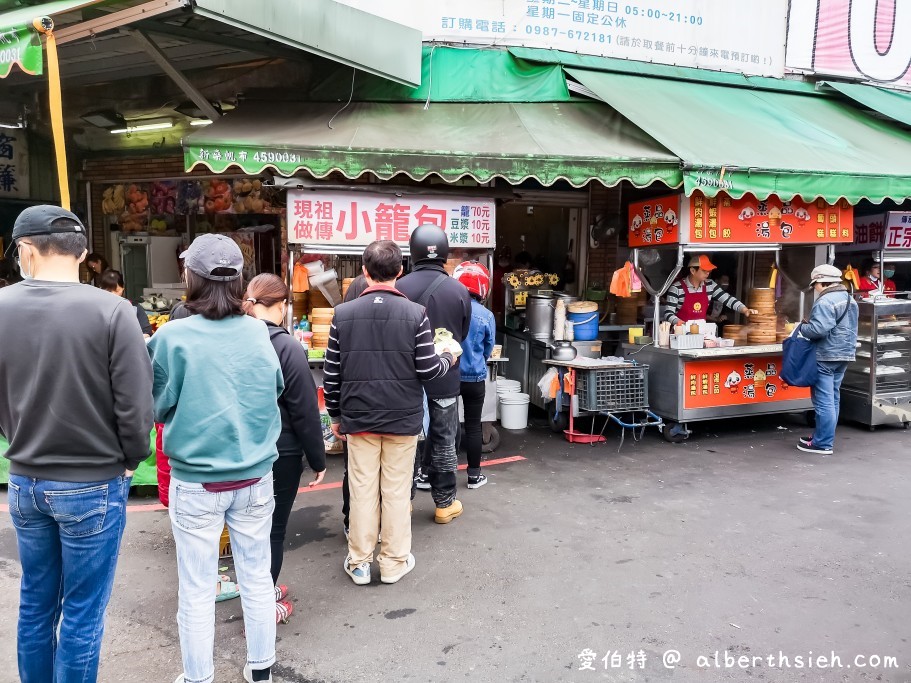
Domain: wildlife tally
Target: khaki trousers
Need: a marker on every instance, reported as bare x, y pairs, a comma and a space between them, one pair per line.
380, 468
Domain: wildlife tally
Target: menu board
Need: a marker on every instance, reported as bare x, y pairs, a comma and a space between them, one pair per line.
748, 220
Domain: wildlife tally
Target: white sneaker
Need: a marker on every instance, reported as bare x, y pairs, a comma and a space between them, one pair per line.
360, 574
409, 565
248, 674
180, 679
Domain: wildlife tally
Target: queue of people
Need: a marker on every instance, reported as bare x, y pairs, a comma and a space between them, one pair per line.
238, 413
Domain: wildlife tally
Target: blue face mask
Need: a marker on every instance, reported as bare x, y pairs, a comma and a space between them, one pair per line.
889, 272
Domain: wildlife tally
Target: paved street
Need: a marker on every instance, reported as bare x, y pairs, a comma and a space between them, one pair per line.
733, 542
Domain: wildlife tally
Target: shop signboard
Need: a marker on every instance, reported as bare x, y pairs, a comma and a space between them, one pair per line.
869, 234
355, 219
742, 380
742, 37
20, 46
864, 40
655, 222
14, 172
722, 219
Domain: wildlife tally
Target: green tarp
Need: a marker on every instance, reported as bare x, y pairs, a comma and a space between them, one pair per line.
146, 474
740, 140
453, 75
892, 103
572, 141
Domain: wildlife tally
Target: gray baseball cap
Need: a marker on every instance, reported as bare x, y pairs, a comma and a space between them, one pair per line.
209, 253
46, 219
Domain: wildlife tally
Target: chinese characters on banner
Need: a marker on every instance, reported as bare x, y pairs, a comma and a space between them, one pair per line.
356, 219
737, 381
13, 164
867, 41
898, 230
655, 222
769, 221
722, 35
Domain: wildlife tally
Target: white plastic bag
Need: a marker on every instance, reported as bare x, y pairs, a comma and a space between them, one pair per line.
545, 383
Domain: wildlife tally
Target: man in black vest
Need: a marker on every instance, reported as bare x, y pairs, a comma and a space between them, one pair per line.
448, 307
380, 352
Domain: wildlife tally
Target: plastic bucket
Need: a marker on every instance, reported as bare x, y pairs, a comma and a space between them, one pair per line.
514, 410
585, 325
506, 386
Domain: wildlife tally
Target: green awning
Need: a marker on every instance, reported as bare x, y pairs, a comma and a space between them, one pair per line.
576, 142
451, 74
740, 140
20, 43
891, 103
329, 29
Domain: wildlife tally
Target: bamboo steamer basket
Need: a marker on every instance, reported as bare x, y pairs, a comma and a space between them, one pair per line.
582, 307
299, 304
321, 330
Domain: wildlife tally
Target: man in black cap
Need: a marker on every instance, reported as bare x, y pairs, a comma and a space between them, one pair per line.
76, 408
448, 307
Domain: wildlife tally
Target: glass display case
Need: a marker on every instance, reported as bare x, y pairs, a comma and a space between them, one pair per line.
877, 385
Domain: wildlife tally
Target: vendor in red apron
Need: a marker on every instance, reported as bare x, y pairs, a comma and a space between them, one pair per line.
693, 296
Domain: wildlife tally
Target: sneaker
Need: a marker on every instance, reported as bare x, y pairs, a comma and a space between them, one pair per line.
422, 481
283, 610
446, 515
810, 448
248, 674
180, 679
409, 565
477, 482
360, 574
281, 592
806, 440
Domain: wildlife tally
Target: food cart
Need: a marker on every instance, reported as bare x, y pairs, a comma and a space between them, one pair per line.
691, 383
877, 386
338, 224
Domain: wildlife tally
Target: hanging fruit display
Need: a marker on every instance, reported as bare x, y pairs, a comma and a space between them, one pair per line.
112, 200
135, 217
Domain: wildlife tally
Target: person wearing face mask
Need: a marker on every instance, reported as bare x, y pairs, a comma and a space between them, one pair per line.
76, 409
874, 280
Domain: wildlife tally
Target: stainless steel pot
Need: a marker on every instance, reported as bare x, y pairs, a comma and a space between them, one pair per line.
539, 316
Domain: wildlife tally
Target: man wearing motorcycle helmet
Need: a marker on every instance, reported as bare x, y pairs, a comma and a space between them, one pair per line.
448, 307
476, 349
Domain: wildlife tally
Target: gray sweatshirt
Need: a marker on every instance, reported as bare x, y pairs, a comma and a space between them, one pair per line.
75, 382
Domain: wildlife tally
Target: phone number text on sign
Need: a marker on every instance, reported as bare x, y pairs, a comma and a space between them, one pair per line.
359, 218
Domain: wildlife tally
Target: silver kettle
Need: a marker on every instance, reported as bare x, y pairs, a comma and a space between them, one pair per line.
563, 350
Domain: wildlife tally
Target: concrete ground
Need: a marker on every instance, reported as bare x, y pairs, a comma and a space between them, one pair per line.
733, 543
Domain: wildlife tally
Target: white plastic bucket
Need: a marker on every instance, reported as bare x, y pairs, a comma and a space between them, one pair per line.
506, 386
514, 410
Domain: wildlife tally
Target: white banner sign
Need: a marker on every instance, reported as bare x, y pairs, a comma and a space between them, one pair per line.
13, 164
722, 35
865, 40
355, 219
891, 230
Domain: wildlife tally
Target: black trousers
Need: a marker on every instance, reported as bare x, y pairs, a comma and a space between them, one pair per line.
286, 473
473, 403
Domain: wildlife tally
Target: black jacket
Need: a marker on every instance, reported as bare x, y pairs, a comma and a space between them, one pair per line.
356, 288
380, 351
301, 427
77, 406
448, 307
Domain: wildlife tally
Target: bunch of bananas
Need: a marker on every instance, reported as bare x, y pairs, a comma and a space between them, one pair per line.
113, 200
159, 320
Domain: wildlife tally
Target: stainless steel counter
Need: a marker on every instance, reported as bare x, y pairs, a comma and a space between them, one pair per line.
690, 385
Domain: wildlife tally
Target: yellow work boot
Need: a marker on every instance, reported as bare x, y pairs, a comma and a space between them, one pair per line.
446, 515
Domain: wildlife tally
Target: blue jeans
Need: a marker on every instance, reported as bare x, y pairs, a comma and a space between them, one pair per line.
826, 400
197, 519
68, 535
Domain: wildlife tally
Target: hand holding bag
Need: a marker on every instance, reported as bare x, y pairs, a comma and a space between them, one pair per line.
798, 364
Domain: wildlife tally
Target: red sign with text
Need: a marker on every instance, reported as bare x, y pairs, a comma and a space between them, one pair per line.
768, 221
737, 381
655, 222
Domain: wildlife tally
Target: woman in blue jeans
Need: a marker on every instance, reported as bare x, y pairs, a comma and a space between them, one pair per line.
833, 326
476, 349
216, 386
